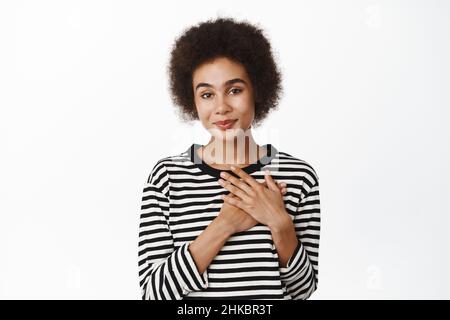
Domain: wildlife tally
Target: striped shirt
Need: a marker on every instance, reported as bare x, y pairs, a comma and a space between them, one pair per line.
182, 196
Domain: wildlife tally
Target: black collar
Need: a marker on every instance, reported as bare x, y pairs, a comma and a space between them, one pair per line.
199, 163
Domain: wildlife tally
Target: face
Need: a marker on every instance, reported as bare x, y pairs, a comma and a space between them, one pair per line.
223, 91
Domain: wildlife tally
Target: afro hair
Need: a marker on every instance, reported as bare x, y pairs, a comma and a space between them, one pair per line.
224, 37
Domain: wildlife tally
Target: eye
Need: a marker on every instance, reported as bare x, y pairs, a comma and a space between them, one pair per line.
238, 90
202, 95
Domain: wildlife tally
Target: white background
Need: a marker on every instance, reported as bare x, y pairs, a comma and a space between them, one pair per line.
86, 113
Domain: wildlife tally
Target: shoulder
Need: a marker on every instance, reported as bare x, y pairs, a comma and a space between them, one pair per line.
298, 166
162, 167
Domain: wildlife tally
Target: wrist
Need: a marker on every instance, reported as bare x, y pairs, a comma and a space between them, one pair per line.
282, 223
222, 228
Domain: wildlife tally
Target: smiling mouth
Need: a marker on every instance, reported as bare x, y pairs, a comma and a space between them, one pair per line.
225, 125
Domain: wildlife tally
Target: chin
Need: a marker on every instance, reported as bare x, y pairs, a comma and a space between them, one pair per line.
227, 135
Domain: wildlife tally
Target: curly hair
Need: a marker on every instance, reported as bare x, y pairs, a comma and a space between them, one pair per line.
224, 37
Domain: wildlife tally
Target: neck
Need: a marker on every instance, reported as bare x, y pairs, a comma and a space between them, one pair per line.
238, 151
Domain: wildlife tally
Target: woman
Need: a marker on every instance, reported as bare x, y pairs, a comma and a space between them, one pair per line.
214, 222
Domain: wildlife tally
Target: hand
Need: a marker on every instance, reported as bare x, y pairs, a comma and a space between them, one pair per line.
234, 219
238, 220
263, 202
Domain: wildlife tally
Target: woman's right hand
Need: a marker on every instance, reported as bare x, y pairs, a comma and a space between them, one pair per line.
237, 220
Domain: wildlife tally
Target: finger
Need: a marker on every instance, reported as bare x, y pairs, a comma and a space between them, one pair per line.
233, 201
280, 187
245, 176
233, 189
264, 183
237, 202
222, 196
283, 191
272, 185
230, 195
237, 182
279, 184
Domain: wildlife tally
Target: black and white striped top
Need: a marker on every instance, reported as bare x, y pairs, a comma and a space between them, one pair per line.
182, 196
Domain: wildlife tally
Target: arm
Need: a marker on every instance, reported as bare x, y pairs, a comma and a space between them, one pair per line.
208, 244
300, 275
284, 238
165, 271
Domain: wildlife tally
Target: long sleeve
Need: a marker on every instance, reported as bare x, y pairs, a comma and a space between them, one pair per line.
165, 271
300, 276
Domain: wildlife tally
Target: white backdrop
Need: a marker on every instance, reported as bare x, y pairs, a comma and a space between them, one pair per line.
86, 113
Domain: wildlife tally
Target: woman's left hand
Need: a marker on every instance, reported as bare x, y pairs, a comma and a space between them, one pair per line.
264, 204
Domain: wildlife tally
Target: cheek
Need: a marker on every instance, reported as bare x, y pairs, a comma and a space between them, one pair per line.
247, 108
204, 114
248, 103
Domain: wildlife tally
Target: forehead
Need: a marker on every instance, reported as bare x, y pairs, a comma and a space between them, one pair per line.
219, 70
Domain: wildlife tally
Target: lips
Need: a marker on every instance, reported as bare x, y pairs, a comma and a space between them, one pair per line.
225, 124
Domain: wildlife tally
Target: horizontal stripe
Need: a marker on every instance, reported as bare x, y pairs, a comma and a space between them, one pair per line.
179, 200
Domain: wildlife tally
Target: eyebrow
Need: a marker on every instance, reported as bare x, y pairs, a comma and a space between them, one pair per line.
228, 82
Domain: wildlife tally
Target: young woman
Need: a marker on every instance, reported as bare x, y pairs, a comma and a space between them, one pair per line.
230, 219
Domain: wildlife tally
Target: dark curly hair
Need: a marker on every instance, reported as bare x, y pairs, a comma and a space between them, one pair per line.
238, 41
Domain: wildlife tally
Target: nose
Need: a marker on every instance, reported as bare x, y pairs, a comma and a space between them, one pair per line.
222, 105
